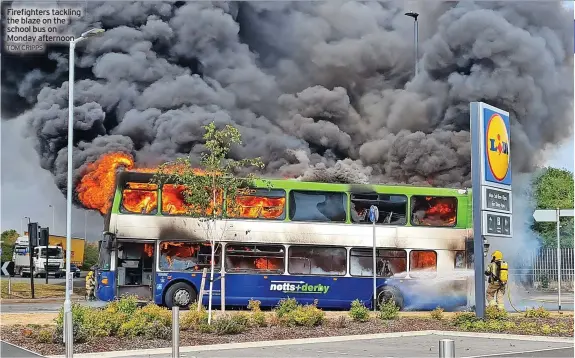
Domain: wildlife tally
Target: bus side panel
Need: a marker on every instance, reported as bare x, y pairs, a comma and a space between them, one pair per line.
331, 292
164, 279
105, 291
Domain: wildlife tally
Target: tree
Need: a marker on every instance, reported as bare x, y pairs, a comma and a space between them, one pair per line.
553, 189
8, 240
210, 191
90, 255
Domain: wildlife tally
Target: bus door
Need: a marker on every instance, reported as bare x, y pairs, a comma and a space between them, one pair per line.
135, 269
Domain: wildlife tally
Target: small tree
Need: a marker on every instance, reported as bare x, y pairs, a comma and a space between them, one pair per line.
8, 240
210, 191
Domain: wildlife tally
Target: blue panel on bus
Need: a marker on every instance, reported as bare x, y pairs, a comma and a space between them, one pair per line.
105, 292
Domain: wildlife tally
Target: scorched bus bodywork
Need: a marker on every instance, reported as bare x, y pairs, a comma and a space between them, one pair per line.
310, 241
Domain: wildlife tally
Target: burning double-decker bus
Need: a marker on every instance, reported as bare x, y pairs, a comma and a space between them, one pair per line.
287, 238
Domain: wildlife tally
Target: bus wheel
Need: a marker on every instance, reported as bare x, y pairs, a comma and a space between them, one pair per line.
180, 294
392, 293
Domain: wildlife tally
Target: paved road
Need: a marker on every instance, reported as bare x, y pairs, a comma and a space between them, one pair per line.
396, 346
51, 280
10, 351
44, 306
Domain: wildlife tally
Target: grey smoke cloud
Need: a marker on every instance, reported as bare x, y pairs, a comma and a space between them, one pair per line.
320, 90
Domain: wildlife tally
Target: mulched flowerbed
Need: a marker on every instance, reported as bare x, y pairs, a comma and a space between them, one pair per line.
332, 327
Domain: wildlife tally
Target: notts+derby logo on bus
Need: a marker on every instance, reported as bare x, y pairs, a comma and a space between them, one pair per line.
297, 287
497, 147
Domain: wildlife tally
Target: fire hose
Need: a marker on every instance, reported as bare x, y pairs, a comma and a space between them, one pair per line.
509, 299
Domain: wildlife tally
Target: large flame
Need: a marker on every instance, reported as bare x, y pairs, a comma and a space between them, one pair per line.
252, 207
423, 260
140, 198
268, 264
442, 209
96, 188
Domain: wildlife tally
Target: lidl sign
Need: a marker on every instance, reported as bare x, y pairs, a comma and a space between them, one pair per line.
495, 146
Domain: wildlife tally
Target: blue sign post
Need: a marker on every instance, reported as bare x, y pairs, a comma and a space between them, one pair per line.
491, 181
373, 217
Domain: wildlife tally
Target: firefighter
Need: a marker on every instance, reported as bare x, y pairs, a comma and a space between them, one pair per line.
90, 286
497, 278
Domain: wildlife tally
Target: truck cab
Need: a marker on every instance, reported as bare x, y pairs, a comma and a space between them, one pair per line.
53, 266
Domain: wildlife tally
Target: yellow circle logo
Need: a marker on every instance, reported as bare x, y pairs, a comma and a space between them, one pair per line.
497, 147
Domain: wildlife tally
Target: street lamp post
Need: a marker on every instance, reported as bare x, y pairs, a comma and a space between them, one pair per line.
68, 331
53, 218
414, 15
22, 225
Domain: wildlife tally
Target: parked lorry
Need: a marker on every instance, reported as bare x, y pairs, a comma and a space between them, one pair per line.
56, 256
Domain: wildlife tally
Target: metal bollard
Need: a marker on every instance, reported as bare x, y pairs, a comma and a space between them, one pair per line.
446, 348
175, 332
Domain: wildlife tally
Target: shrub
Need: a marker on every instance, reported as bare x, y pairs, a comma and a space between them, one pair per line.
127, 305
45, 335
340, 322
144, 318
155, 313
157, 330
358, 311
285, 306
228, 324
103, 323
205, 328
258, 319
194, 318
437, 313
546, 329
539, 312
462, 318
254, 305
494, 312
388, 310
241, 318
306, 316
78, 312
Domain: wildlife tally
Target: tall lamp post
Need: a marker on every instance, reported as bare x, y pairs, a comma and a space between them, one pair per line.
22, 225
53, 218
68, 331
414, 15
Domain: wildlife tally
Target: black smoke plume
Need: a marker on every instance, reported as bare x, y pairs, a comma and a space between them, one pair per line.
322, 90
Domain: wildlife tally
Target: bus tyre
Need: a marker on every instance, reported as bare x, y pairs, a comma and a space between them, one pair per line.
387, 293
180, 294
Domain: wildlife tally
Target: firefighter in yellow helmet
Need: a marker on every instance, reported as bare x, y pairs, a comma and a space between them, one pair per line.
90, 285
497, 278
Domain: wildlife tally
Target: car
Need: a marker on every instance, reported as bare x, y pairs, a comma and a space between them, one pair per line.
75, 270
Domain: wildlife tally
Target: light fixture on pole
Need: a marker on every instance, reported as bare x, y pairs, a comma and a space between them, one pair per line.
22, 225
414, 15
53, 218
68, 331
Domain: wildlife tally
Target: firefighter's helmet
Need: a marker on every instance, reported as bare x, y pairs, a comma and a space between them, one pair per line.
497, 255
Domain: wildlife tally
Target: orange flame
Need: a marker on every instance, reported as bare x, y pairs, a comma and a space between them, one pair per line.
267, 264
177, 249
257, 206
442, 208
149, 249
423, 260
96, 188
140, 198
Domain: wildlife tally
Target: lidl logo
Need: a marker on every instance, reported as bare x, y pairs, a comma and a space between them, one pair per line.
497, 147
297, 287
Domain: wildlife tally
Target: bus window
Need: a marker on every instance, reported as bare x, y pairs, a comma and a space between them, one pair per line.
459, 259
255, 258
141, 198
317, 206
307, 260
173, 200
258, 204
392, 208
433, 211
388, 263
422, 263
187, 256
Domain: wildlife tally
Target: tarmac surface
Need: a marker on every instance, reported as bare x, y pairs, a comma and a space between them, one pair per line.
11, 351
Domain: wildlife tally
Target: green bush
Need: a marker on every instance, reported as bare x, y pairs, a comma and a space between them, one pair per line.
539, 312
205, 328
306, 316
258, 319
462, 318
285, 306
45, 335
127, 304
494, 312
157, 330
103, 323
229, 324
340, 322
144, 318
193, 319
546, 329
78, 312
437, 313
358, 312
388, 310
254, 305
